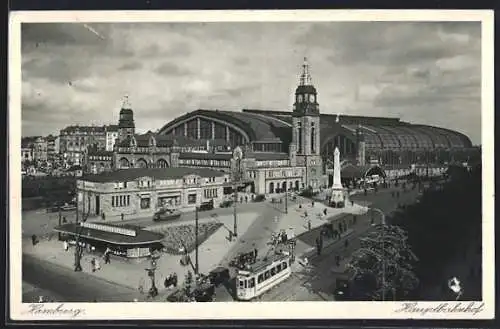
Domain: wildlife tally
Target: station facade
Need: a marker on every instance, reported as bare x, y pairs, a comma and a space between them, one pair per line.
274, 150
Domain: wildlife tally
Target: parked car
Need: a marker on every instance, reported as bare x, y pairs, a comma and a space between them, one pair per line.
226, 204
207, 206
68, 207
259, 198
166, 215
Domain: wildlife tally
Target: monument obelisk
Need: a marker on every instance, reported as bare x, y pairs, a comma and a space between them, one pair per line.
337, 184
338, 196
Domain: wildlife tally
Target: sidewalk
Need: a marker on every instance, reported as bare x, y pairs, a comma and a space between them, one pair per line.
131, 273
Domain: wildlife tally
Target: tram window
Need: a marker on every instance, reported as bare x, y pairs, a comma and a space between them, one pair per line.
245, 283
260, 278
284, 265
278, 268
241, 284
273, 271
266, 275
251, 283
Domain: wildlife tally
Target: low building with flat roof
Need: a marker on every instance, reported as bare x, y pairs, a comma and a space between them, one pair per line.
140, 192
122, 240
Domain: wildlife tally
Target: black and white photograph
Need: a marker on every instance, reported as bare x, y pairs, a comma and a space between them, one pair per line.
161, 161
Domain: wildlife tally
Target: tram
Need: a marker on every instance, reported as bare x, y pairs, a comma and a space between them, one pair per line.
262, 276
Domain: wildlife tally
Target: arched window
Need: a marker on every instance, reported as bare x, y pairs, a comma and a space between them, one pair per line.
141, 163
271, 187
161, 163
124, 163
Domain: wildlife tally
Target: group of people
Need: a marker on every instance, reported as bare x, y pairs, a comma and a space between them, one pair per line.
244, 260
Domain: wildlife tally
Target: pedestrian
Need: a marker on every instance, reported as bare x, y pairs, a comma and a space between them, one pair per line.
122, 216
255, 254
33, 239
65, 245
312, 203
246, 198
107, 258
64, 220
92, 264
103, 216
346, 243
309, 225
352, 203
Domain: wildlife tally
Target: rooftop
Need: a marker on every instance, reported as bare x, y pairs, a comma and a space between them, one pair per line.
142, 236
127, 175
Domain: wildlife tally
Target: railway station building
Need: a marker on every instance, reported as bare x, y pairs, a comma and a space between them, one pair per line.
293, 149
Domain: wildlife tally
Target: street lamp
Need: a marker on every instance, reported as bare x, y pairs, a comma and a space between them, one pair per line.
153, 291
237, 158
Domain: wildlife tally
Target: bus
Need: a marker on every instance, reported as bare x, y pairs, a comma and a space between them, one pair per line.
262, 276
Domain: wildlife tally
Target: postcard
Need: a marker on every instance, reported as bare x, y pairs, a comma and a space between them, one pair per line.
302, 164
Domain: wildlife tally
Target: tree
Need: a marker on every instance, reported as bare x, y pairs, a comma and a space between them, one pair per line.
382, 266
188, 285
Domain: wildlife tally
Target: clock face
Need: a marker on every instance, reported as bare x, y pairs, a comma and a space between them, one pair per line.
300, 98
311, 98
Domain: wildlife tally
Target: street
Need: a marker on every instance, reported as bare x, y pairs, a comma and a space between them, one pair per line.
65, 285
318, 280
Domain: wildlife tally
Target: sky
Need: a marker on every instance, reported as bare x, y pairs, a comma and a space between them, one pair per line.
75, 73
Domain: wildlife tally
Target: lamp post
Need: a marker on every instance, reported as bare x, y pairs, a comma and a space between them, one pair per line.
286, 197
196, 266
151, 270
237, 158
78, 249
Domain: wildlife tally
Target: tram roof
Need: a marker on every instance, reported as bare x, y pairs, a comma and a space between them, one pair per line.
263, 263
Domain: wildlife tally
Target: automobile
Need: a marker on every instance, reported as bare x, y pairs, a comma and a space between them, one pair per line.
207, 206
259, 198
219, 275
341, 291
166, 214
68, 207
226, 204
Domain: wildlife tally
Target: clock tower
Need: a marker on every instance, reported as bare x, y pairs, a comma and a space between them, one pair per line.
306, 130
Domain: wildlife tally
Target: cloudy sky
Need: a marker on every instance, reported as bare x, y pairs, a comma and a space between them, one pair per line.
426, 73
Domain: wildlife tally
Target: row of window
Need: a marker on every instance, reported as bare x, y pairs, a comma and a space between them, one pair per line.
272, 272
120, 201
273, 163
202, 162
283, 173
210, 193
100, 158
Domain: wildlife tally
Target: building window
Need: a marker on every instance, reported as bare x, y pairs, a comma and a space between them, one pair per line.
145, 203
192, 198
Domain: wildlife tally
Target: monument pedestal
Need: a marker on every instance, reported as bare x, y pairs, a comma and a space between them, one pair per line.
339, 197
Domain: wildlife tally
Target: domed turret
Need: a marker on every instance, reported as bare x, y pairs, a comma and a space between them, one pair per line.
126, 125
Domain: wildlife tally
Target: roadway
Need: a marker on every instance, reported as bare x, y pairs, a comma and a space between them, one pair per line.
64, 285
317, 282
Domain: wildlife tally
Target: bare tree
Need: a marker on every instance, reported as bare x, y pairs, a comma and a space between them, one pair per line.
385, 259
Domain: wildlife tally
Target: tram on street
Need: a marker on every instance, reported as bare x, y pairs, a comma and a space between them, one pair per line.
262, 276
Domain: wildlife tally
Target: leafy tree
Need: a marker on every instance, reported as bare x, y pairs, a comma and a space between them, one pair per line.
382, 266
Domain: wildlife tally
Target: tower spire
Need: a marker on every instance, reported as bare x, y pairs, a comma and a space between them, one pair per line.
305, 77
126, 103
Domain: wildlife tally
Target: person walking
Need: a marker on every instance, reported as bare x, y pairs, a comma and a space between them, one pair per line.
92, 264
309, 224
65, 245
103, 216
123, 216
107, 258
